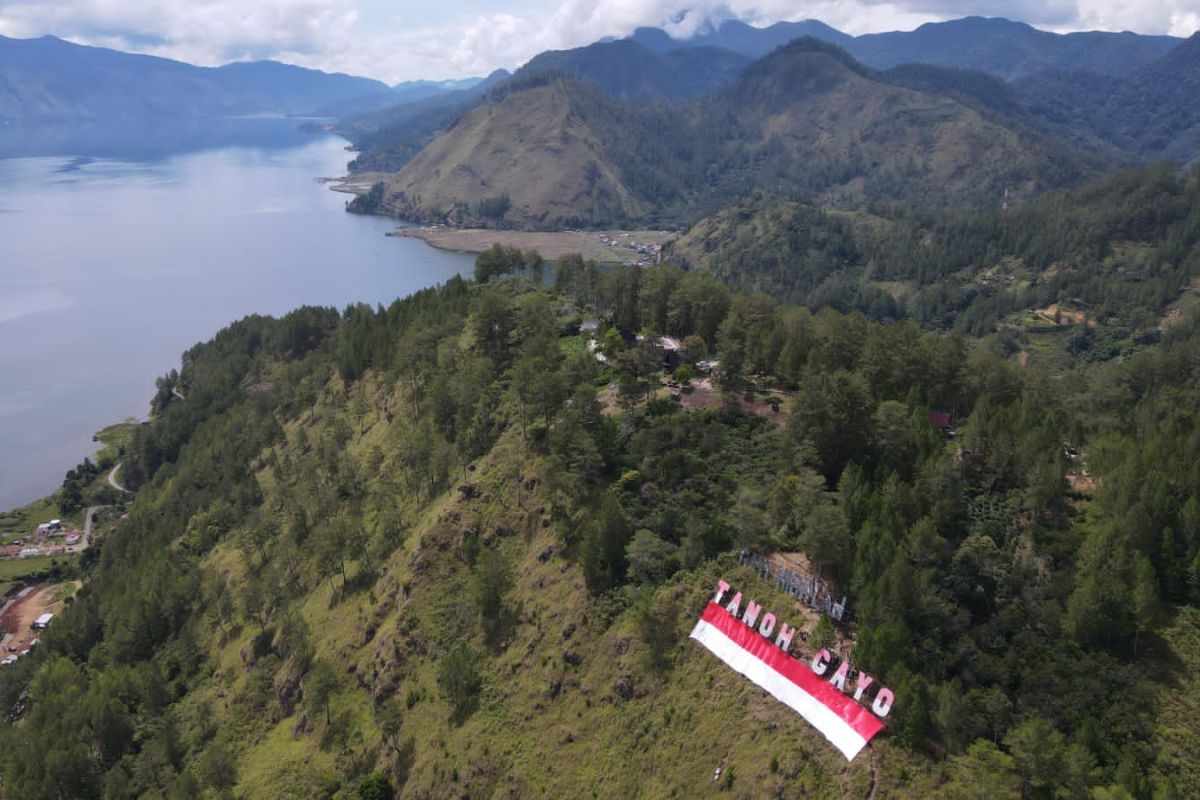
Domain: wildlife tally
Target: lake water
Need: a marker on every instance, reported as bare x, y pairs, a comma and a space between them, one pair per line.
111, 267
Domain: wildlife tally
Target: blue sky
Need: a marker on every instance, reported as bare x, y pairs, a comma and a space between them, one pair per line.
405, 39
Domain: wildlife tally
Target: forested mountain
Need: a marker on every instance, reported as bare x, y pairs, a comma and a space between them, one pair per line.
1154, 111
1011, 49
428, 548
1151, 113
408, 91
807, 121
999, 46
1120, 251
51, 78
388, 138
629, 71
741, 38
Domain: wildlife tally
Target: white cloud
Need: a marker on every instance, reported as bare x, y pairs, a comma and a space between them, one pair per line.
334, 35
200, 31
1176, 17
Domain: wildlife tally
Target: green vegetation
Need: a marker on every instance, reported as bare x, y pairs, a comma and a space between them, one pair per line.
53, 567
114, 440
415, 543
1114, 254
806, 122
369, 203
20, 523
501, 259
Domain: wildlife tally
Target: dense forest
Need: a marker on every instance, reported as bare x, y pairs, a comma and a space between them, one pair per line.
1119, 250
441, 549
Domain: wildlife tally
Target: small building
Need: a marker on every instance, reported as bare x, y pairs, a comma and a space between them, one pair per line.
73, 537
594, 348
54, 524
941, 420
30, 552
589, 326
41, 622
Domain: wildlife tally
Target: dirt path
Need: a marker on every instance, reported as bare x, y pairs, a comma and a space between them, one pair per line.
112, 478
88, 522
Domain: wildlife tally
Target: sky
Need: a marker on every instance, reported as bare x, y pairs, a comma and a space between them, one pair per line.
395, 40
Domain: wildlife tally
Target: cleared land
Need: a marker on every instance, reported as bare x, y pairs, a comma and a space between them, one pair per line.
705, 395
19, 617
613, 247
20, 523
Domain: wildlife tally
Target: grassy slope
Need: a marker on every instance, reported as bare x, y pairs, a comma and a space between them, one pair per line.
1177, 703
531, 147
664, 741
523, 740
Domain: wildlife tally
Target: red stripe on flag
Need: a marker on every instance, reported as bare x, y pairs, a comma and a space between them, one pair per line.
859, 718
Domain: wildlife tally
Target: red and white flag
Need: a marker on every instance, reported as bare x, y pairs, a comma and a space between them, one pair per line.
845, 723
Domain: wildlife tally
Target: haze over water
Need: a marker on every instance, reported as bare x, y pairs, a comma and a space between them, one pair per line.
110, 269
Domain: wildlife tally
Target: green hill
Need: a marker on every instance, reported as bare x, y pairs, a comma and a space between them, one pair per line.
540, 156
427, 549
807, 121
1121, 251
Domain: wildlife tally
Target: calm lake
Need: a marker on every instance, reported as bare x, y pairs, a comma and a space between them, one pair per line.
112, 266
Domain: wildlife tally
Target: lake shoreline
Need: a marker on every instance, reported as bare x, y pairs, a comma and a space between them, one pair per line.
190, 253
612, 247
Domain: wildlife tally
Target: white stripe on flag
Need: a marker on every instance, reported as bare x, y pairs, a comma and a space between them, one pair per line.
833, 727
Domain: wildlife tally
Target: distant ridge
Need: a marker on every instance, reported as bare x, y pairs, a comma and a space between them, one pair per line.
999, 46
52, 78
627, 69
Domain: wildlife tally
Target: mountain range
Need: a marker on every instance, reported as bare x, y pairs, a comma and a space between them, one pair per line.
828, 118
807, 120
49, 78
654, 129
1006, 48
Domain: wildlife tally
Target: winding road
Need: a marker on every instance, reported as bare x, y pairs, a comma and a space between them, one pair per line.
112, 478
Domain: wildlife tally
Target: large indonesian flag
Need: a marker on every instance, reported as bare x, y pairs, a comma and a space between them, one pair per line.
835, 714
